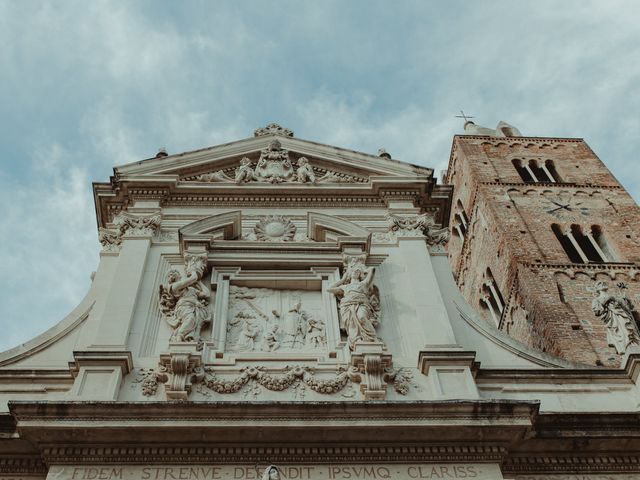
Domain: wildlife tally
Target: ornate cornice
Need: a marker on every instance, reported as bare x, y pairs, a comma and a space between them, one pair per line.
234, 454
22, 465
529, 464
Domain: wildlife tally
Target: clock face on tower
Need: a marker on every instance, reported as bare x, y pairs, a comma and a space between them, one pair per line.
566, 208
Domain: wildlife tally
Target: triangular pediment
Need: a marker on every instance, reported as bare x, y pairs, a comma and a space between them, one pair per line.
284, 158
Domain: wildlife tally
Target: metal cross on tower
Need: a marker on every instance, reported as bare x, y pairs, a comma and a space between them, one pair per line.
466, 117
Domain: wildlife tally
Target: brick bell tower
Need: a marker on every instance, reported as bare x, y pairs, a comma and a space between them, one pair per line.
545, 243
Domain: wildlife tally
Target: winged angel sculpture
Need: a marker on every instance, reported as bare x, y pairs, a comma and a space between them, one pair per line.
184, 301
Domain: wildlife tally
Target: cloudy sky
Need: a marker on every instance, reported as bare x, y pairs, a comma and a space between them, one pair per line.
88, 85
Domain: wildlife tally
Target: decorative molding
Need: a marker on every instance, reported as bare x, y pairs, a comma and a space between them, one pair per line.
25, 465
233, 454
576, 463
180, 369
373, 364
591, 269
272, 129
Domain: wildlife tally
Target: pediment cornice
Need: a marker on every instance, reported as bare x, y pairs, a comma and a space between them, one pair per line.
173, 164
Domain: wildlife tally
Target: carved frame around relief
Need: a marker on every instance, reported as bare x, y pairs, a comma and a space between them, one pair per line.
275, 315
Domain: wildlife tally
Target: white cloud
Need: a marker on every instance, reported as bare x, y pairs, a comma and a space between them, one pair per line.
89, 85
49, 221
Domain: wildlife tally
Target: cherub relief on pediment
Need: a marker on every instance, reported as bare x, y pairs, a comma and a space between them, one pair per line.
275, 165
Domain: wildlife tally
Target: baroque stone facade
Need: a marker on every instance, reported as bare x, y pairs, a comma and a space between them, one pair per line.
274, 308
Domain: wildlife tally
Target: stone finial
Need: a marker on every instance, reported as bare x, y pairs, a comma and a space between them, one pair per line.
383, 153
273, 129
162, 152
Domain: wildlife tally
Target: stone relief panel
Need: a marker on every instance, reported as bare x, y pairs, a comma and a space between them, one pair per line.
270, 320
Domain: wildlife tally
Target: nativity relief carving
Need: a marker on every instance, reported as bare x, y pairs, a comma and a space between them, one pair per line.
184, 302
269, 320
358, 300
616, 311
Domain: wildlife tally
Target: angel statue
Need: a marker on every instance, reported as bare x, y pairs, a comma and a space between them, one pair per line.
244, 173
617, 313
304, 173
359, 304
183, 302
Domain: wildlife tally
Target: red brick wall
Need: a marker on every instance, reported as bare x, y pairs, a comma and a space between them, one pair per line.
548, 301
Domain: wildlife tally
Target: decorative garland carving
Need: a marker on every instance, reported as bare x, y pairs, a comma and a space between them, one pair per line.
272, 129
148, 379
277, 383
185, 371
402, 379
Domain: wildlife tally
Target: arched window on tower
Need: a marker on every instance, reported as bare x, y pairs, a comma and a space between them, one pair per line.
551, 171
534, 172
460, 220
584, 247
491, 299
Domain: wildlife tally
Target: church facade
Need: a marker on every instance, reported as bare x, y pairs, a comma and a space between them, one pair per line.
275, 308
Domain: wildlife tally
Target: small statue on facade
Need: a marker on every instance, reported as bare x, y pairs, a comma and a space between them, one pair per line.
315, 333
248, 335
358, 302
295, 326
244, 173
271, 473
305, 173
270, 342
184, 302
617, 313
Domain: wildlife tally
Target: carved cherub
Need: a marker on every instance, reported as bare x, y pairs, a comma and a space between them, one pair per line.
305, 173
248, 334
271, 342
244, 173
315, 333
